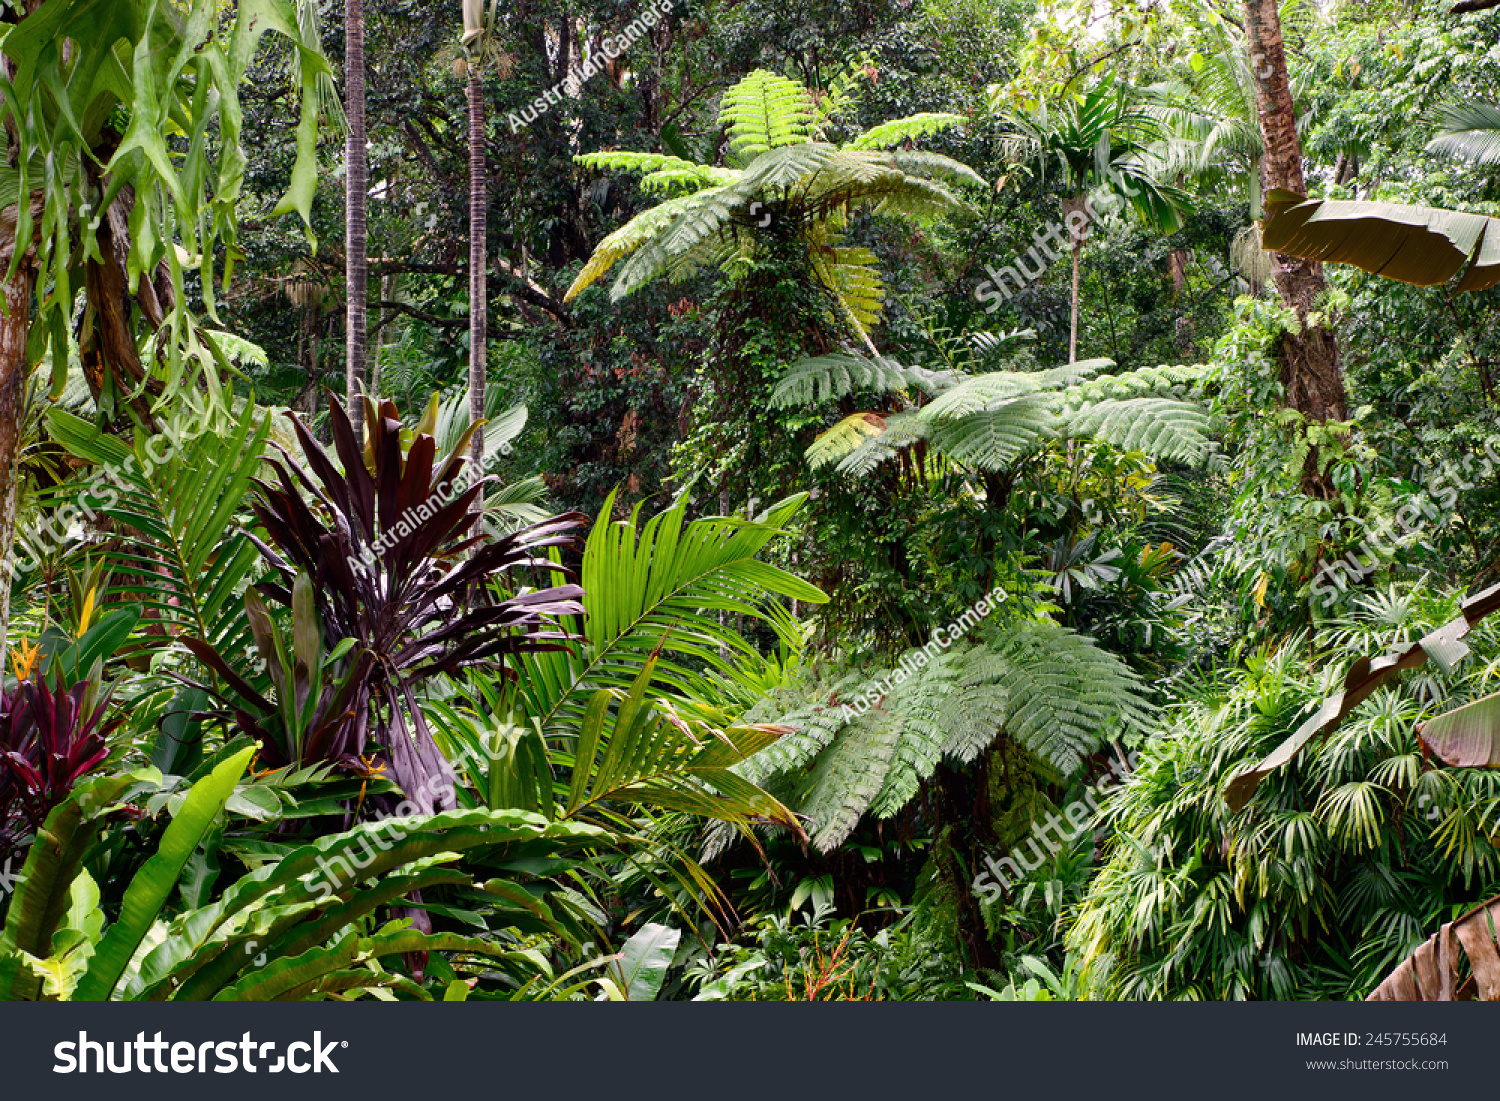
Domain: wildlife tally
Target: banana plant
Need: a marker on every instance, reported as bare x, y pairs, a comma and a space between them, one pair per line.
1420, 245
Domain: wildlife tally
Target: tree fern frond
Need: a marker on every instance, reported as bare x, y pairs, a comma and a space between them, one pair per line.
936, 166
846, 778
1052, 690
901, 431
912, 128
764, 112
852, 275
630, 237
686, 243
1172, 380
1064, 693
831, 377
1161, 427
837, 441
994, 438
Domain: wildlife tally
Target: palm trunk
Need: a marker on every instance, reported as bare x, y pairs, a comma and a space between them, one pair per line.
1073, 326
356, 266
1079, 204
14, 326
1309, 359
478, 262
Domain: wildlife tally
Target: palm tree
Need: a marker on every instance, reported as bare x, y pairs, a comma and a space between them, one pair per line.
356, 229
783, 182
1099, 142
1468, 128
475, 40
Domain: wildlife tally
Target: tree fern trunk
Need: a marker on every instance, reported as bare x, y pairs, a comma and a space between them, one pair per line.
478, 262
356, 178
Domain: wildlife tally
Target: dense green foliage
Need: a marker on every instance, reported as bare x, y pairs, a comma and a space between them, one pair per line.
818, 627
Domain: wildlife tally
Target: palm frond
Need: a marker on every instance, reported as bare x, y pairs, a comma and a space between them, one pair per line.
1469, 129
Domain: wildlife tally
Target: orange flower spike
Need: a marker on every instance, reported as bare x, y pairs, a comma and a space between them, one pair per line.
24, 658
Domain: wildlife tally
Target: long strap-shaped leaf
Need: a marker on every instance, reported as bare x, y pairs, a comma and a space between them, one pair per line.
41, 897
1432, 972
149, 890
1411, 244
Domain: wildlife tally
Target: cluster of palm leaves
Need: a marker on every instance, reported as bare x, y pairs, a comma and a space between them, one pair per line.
1331, 874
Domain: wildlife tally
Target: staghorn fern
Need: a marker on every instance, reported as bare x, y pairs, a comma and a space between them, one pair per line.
1051, 690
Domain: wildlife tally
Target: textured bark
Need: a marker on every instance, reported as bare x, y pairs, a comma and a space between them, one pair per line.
14, 325
356, 180
107, 337
478, 264
1309, 359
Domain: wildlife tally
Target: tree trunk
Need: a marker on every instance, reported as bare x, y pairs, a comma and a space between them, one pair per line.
357, 181
1309, 359
1073, 325
1078, 203
478, 263
14, 326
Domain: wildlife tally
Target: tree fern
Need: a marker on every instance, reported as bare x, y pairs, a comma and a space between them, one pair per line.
912, 128
764, 112
989, 421
779, 161
865, 741
829, 378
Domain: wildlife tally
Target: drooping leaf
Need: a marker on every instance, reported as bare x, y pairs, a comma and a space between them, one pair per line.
1421, 245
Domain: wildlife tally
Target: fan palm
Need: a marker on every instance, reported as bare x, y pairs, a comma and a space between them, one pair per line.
1470, 129
783, 179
